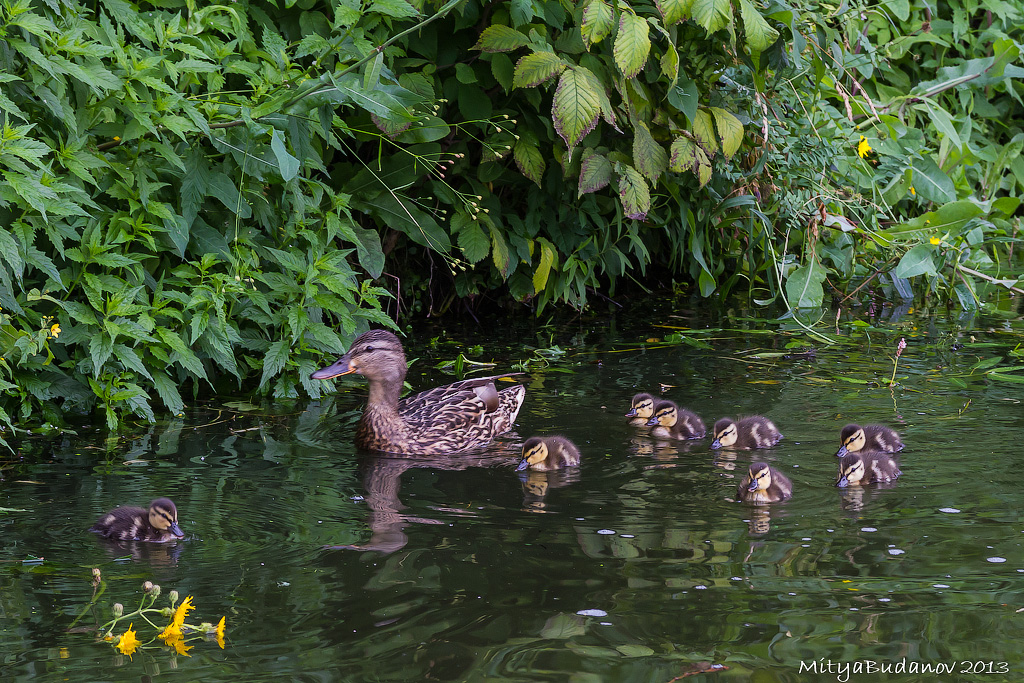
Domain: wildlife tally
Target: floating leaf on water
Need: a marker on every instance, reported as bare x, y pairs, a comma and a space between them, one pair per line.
635, 650
563, 626
593, 651
853, 380
241, 405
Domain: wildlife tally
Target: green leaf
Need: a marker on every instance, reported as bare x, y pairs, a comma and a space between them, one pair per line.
167, 390
943, 122
597, 22
682, 155
536, 68
649, 157
500, 38
399, 9
730, 130
760, 36
500, 253
575, 107
529, 159
632, 44
948, 218
711, 14
274, 361
100, 348
595, 172
670, 64
474, 242
704, 132
803, 286
674, 11
547, 259
917, 261
633, 193
183, 354
931, 183
563, 626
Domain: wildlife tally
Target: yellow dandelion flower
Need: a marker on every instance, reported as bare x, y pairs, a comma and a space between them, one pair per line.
127, 643
173, 630
54, 330
220, 633
935, 241
913, 191
863, 147
179, 646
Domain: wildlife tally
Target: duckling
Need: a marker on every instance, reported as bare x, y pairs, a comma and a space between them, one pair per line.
449, 419
544, 453
672, 422
158, 524
861, 468
641, 410
872, 437
755, 431
764, 484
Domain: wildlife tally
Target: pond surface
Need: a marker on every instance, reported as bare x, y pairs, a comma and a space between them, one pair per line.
335, 565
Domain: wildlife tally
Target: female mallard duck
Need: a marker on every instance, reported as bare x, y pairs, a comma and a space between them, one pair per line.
450, 419
750, 432
861, 468
158, 524
641, 410
544, 453
672, 422
764, 484
854, 438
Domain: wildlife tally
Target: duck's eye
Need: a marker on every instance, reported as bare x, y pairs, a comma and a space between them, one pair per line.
369, 349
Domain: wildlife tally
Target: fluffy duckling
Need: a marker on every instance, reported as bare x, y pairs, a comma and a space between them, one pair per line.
764, 484
861, 468
641, 410
755, 431
854, 438
158, 524
544, 453
672, 422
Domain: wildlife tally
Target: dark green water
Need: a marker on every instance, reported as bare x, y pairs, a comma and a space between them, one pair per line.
639, 567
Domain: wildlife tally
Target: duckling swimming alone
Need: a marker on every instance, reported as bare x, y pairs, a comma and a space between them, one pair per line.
755, 431
871, 437
861, 468
448, 419
158, 524
764, 484
641, 410
544, 453
672, 422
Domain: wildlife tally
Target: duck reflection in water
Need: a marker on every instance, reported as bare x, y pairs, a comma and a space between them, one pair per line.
537, 484
382, 481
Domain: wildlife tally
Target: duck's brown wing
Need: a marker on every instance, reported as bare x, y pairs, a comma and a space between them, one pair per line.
452, 405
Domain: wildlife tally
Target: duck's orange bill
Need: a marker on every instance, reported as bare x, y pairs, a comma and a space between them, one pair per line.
336, 370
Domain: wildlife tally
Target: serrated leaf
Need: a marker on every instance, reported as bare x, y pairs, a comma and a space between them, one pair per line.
167, 389
502, 258
704, 132
547, 259
500, 38
632, 44
474, 242
536, 68
100, 348
649, 157
575, 107
711, 14
702, 166
670, 65
760, 35
607, 112
682, 156
595, 172
674, 11
597, 22
529, 160
185, 357
730, 130
274, 360
399, 9
633, 193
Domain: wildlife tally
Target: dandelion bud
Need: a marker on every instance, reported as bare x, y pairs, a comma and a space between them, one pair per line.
118, 609
148, 586
173, 597
96, 573
156, 591
505, 115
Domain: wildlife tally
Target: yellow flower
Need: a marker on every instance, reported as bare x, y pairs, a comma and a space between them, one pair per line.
127, 643
863, 147
180, 647
220, 633
935, 241
173, 630
54, 330
913, 191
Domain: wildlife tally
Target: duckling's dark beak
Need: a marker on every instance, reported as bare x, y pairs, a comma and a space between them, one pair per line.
753, 485
340, 367
716, 444
841, 452
176, 530
843, 481
653, 421
523, 464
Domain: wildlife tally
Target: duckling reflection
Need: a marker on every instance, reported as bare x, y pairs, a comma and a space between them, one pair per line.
536, 485
880, 438
755, 431
641, 410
